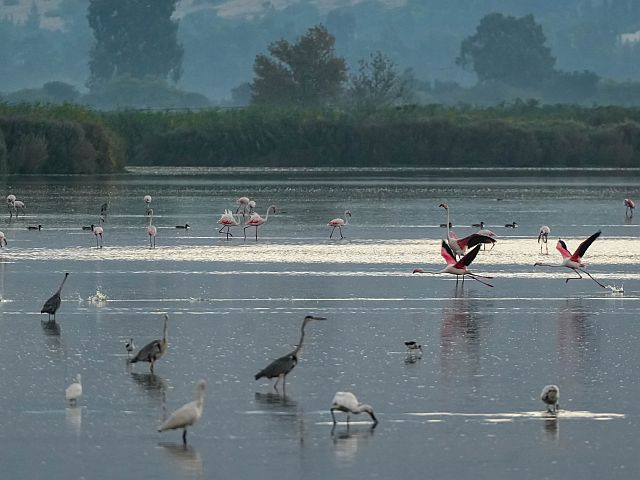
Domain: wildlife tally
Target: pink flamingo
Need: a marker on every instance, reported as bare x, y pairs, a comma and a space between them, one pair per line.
457, 267
98, 232
630, 204
252, 206
460, 245
3, 239
242, 202
152, 231
256, 220
574, 262
339, 223
543, 237
227, 220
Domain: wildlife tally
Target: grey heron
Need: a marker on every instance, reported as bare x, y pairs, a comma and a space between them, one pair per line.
51, 306
280, 367
152, 351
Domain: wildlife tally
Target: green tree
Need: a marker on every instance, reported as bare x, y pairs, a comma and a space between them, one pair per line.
508, 49
306, 73
134, 37
377, 84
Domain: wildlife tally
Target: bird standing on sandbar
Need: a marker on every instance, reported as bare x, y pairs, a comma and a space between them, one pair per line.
74, 391
543, 237
551, 396
339, 223
51, 306
280, 367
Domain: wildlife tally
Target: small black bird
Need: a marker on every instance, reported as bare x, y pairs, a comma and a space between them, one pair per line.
89, 227
186, 226
34, 227
511, 225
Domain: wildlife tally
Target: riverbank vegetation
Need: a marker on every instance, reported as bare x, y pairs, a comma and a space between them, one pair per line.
70, 139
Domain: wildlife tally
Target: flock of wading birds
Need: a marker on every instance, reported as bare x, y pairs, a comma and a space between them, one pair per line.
454, 250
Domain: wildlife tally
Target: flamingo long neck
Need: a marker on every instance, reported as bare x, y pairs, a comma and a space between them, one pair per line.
346, 218
150, 219
61, 285
448, 224
363, 407
266, 217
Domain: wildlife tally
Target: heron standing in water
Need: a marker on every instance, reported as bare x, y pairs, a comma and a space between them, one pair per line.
51, 306
152, 351
280, 367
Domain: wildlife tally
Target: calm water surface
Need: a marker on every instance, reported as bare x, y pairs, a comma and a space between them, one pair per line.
468, 408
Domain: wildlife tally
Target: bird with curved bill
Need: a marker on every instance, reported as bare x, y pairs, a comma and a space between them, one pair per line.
458, 267
280, 367
574, 261
348, 403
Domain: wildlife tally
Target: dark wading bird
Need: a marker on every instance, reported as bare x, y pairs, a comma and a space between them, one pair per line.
348, 403
280, 367
186, 415
458, 267
152, 351
51, 306
574, 262
551, 396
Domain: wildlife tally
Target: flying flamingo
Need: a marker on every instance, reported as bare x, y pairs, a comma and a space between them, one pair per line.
460, 245
3, 239
227, 220
152, 231
339, 223
98, 232
256, 220
543, 237
630, 204
458, 267
574, 262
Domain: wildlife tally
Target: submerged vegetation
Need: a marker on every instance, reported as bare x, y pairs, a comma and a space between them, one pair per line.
72, 139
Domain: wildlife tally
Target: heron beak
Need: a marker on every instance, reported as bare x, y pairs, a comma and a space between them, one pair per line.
319, 318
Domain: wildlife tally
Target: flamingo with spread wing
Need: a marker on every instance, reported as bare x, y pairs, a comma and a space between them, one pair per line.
457, 267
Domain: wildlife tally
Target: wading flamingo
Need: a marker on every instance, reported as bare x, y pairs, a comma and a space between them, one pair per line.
543, 237
630, 204
574, 262
255, 220
551, 396
227, 220
460, 245
457, 267
152, 231
339, 223
186, 415
98, 233
147, 208
348, 403
243, 203
252, 206
3, 239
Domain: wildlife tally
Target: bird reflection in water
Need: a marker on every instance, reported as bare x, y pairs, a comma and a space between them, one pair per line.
154, 386
347, 441
284, 411
73, 417
186, 458
552, 427
460, 334
576, 342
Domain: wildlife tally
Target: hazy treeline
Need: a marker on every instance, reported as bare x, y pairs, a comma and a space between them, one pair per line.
62, 139
523, 135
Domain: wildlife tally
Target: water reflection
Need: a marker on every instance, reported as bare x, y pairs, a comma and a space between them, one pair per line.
552, 428
460, 334
73, 417
154, 386
576, 341
347, 442
284, 411
186, 458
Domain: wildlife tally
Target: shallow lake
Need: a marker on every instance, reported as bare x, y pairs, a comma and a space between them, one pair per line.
468, 407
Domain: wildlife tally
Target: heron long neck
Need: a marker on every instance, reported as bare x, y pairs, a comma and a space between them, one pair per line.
164, 332
63, 280
304, 324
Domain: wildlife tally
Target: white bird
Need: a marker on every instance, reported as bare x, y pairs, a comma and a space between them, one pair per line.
74, 391
551, 396
3, 239
339, 223
543, 237
186, 415
129, 346
252, 206
348, 403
